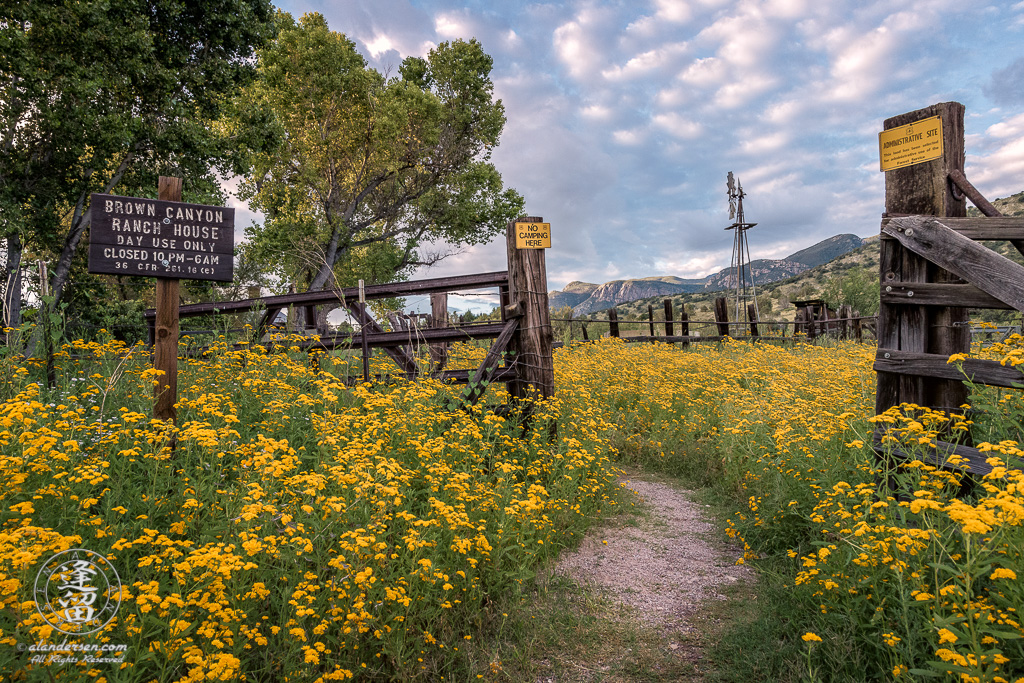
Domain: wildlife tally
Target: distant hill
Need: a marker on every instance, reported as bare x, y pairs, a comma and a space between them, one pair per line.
763, 270
575, 293
826, 250
859, 264
586, 297
1008, 206
775, 297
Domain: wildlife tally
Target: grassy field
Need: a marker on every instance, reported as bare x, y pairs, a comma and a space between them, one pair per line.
305, 530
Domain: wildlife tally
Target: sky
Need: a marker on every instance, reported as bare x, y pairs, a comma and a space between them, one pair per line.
624, 117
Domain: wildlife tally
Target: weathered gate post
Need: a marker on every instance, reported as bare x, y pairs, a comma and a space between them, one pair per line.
531, 345
668, 319
722, 316
922, 189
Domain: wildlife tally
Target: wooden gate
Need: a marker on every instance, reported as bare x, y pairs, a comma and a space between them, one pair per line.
523, 338
932, 272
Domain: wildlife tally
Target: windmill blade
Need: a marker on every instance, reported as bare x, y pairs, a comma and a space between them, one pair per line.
729, 184
732, 209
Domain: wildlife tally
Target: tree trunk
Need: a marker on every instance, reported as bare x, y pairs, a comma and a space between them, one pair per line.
60, 276
12, 283
80, 220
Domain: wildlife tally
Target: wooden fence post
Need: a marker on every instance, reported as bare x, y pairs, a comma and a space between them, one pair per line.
439, 319
668, 318
650, 320
845, 313
292, 323
722, 316
166, 326
504, 300
531, 345
613, 323
684, 322
752, 317
922, 189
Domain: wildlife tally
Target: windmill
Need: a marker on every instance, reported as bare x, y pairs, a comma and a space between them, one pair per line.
742, 277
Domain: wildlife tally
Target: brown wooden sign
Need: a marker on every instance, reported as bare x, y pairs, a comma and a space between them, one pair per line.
158, 238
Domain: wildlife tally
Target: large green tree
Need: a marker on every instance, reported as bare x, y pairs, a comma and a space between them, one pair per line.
373, 167
104, 95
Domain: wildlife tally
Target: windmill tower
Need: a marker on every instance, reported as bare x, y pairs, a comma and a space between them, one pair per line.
742, 278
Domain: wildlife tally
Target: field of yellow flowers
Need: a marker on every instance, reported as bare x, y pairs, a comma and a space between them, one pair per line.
295, 526
911, 583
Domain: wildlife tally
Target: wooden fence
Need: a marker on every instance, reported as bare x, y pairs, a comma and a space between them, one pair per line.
522, 337
811, 323
932, 272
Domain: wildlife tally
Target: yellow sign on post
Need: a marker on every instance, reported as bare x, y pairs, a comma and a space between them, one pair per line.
533, 235
911, 144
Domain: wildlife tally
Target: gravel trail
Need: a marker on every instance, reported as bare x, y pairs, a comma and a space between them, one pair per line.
665, 567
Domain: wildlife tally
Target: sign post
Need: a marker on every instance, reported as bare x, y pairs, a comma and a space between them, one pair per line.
169, 240
531, 345
165, 344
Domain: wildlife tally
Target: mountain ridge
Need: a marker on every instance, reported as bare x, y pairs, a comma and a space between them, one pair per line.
586, 297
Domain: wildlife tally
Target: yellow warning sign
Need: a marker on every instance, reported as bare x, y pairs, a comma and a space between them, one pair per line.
533, 235
911, 144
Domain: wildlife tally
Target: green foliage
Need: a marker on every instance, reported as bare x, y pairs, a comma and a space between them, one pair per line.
89, 86
856, 288
104, 96
372, 167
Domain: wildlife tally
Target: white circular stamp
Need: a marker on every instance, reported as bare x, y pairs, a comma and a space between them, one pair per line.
77, 592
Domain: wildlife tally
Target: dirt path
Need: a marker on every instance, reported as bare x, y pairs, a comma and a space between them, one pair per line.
665, 570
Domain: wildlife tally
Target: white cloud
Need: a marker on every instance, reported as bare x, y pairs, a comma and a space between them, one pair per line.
742, 90
1013, 127
450, 26
643, 64
675, 11
786, 9
997, 168
629, 137
678, 125
704, 72
574, 49
683, 266
756, 144
379, 45
598, 112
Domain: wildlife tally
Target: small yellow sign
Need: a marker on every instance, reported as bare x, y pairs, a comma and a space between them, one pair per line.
533, 235
911, 144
